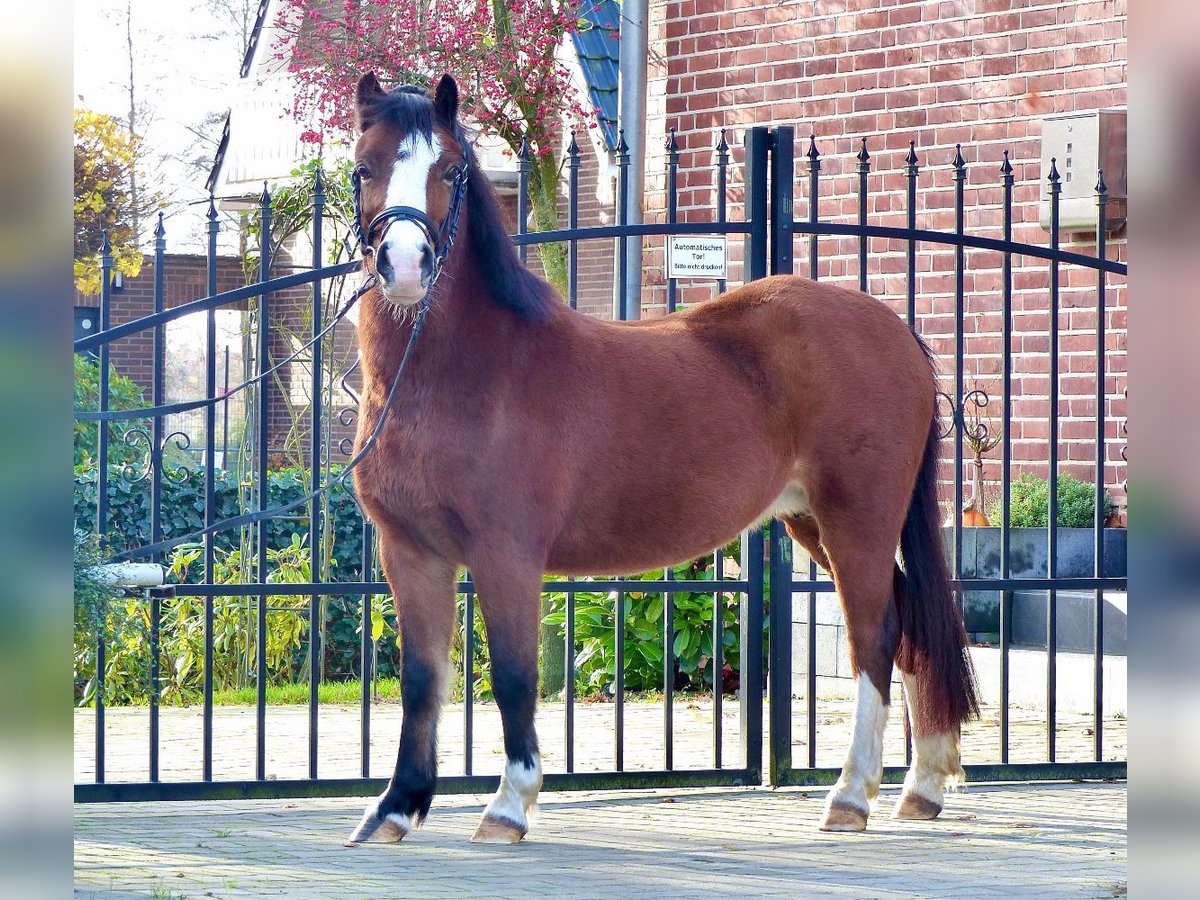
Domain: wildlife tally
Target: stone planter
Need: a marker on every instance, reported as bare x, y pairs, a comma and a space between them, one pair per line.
1028, 552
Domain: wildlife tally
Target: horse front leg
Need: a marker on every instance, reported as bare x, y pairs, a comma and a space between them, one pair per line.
423, 587
508, 598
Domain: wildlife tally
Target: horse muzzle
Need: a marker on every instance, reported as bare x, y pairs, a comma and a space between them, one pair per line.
404, 262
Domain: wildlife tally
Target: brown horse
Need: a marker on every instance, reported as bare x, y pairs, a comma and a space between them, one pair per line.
525, 438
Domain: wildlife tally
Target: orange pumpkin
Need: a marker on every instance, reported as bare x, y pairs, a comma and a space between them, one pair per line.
972, 517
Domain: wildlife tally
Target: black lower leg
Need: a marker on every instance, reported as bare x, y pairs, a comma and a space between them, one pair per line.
410, 791
515, 687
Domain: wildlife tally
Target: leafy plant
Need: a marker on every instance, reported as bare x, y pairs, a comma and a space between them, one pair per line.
183, 512
92, 593
1029, 506
123, 393
128, 624
644, 612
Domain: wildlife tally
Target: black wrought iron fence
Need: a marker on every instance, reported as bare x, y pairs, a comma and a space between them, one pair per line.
768, 229
974, 576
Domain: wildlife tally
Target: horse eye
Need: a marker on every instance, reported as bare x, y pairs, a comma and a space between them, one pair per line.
362, 171
451, 174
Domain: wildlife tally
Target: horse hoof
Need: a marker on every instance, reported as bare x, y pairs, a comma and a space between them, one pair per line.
844, 817
498, 831
374, 830
914, 806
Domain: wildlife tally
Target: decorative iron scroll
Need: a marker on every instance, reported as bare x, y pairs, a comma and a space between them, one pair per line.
348, 415
978, 432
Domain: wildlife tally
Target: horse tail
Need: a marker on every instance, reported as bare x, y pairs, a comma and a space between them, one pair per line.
933, 641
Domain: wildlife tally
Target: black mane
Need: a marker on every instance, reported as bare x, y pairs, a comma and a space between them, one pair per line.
512, 285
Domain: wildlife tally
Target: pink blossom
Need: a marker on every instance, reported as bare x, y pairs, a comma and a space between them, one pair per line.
510, 80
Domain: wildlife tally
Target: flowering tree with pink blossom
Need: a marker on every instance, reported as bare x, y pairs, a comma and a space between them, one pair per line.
503, 54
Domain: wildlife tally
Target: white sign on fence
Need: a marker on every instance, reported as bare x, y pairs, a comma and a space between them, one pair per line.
696, 256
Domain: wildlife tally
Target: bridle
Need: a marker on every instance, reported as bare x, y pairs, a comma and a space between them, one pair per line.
440, 237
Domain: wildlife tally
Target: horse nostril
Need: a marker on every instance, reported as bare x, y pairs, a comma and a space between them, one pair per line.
426, 262
382, 264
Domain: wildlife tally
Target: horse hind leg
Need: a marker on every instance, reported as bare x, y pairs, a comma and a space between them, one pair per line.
936, 765
862, 574
939, 680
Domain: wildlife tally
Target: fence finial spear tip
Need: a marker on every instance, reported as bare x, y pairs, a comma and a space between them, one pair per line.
672, 144
573, 147
159, 231
863, 155
722, 145
911, 159
1006, 167
813, 153
265, 196
622, 147
319, 180
959, 162
1054, 177
523, 153
1101, 184
212, 206
105, 244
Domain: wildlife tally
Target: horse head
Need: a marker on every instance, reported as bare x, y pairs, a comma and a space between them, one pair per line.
411, 165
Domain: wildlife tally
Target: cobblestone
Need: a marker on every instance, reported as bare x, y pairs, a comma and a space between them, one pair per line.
992, 841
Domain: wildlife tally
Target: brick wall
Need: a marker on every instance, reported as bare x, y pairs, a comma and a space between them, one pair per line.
978, 72
185, 278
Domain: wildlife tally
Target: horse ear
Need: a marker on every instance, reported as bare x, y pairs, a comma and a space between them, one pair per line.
366, 95
445, 99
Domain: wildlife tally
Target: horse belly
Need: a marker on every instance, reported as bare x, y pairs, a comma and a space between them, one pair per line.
672, 524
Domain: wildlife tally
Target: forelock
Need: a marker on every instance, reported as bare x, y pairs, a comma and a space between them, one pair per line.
407, 108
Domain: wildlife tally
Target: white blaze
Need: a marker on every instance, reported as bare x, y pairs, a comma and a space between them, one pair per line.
405, 240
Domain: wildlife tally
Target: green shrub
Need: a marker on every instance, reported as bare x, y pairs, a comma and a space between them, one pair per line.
183, 512
595, 633
123, 393
127, 625
127, 621
1029, 506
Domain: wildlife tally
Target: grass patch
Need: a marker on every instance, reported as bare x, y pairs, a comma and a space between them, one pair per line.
387, 690
333, 692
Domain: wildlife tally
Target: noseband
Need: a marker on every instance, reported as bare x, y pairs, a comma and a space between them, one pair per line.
441, 238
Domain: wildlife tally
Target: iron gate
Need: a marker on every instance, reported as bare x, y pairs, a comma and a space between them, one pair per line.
768, 228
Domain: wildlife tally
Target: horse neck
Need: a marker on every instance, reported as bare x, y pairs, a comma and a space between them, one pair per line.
465, 325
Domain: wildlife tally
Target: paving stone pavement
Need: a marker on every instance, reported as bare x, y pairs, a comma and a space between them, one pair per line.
992, 841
